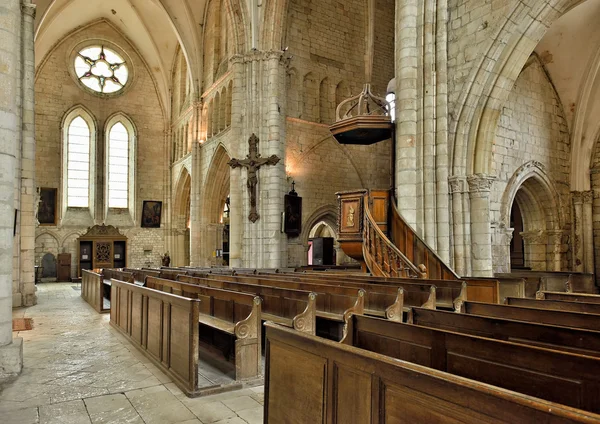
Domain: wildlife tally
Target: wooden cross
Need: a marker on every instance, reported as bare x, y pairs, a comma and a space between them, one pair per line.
252, 163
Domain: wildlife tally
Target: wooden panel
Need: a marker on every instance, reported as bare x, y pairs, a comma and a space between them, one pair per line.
136, 317
555, 389
300, 402
403, 405
180, 341
481, 294
352, 395
154, 327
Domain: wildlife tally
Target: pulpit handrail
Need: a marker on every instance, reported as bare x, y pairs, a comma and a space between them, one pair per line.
396, 260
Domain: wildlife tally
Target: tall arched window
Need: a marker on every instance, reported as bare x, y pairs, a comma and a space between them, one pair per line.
118, 166
78, 163
120, 156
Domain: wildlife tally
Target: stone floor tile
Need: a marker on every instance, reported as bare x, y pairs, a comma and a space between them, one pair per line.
72, 412
235, 420
211, 412
240, 403
99, 404
253, 415
20, 416
170, 413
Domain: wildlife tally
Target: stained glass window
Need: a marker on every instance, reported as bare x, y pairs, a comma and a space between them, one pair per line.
101, 69
118, 166
78, 163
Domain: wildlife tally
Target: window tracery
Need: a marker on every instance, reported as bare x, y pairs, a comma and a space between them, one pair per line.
101, 69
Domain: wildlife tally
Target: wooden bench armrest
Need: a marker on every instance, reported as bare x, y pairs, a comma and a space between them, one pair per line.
462, 297
394, 312
287, 322
431, 301
358, 309
249, 328
219, 324
306, 321
331, 316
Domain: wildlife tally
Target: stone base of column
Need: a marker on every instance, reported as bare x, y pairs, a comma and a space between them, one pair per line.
24, 299
11, 358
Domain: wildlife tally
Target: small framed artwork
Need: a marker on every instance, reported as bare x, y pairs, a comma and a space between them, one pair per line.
47, 207
151, 213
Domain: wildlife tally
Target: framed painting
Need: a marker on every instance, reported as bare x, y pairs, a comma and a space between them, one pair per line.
293, 215
46, 214
151, 213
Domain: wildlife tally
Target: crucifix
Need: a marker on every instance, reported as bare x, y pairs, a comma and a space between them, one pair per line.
252, 163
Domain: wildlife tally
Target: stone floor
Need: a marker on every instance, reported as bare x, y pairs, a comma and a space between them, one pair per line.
78, 370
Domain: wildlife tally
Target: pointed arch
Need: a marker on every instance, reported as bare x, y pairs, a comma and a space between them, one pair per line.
216, 188
114, 186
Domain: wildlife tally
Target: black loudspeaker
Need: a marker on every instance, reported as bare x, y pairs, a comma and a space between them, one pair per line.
322, 253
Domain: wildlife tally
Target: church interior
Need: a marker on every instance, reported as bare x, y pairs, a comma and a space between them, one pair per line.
299, 211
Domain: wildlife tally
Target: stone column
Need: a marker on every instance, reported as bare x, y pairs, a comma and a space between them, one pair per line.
578, 249
195, 207
536, 242
481, 238
555, 250
588, 232
11, 352
27, 295
501, 238
459, 190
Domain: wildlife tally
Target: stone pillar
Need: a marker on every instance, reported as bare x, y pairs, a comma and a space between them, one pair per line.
536, 242
27, 295
588, 232
481, 238
501, 238
577, 245
459, 190
583, 231
555, 250
407, 75
11, 352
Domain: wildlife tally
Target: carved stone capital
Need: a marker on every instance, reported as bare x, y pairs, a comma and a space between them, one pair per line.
29, 9
555, 236
502, 235
480, 183
458, 184
581, 197
535, 237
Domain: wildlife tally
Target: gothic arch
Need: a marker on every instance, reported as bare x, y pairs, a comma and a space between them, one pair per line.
216, 187
537, 197
492, 78
181, 200
325, 213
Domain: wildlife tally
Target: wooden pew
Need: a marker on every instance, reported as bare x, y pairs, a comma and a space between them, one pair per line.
542, 316
557, 305
139, 275
556, 376
384, 301
449, 293
338, 384
570, 297
554, 281
333, 305
92, 290
235, 314
380, 300
164, 327
293, 308
585, 342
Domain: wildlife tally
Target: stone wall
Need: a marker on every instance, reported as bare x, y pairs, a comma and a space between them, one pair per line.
57, 92
531, 161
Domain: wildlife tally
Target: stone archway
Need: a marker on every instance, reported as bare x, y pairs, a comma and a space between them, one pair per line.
215, 193
182, 220
531, 196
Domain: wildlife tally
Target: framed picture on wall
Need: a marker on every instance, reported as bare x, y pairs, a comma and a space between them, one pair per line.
47, 207
151, 213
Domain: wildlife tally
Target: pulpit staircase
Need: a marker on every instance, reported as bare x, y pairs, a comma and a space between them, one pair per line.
372, 231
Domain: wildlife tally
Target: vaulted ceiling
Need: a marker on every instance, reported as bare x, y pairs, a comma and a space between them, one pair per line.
155, 28
570, 51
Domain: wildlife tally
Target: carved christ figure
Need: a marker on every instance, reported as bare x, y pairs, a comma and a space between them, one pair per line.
350, 220
252, 163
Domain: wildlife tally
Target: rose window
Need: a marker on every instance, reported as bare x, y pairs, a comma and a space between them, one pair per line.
101, 69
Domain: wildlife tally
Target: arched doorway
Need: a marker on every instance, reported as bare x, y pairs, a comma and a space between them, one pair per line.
322, 242
182, 220
531, 210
